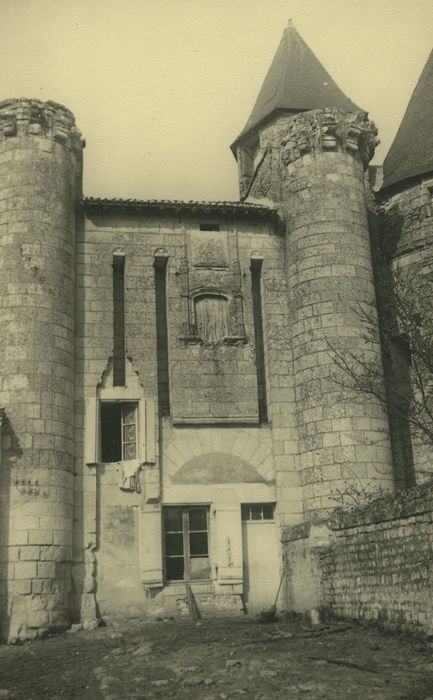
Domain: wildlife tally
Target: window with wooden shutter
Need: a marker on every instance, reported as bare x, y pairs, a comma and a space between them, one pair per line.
211, 317
150, 548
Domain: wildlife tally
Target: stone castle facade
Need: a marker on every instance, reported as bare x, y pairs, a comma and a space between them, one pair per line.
167, 389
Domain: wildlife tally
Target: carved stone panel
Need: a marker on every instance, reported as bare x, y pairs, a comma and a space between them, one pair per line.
209, 249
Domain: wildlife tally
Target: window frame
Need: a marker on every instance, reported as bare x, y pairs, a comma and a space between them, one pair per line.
123, 403
262, 518
186, 553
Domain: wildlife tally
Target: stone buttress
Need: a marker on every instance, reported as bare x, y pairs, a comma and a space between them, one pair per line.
40, 185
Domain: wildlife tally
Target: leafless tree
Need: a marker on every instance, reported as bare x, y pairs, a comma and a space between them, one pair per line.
405, 334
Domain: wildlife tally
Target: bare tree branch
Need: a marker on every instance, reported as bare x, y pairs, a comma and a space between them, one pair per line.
405, 334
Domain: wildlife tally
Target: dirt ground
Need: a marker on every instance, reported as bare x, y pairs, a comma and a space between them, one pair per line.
218, 660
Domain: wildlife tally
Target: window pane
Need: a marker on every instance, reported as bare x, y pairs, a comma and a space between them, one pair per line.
174, 568
174, 543
173, 519
129, 451
198, 543
199, 568
111, 443
129, 412
256, 512
129, 433
268, 512
198, 519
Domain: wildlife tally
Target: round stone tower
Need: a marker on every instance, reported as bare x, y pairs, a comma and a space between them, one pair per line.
344, 445
40, 186
305, 148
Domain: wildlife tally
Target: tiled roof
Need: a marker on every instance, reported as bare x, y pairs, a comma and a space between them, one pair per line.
296, 81
175, 205
411, 152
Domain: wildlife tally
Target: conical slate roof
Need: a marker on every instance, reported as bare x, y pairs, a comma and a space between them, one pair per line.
296, 81
411, 152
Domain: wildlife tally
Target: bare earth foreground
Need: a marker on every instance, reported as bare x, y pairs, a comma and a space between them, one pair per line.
221, 659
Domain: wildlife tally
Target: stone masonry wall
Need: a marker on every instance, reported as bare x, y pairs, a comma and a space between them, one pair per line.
407, 218
106, 519
212, 379
406, 241
376, 564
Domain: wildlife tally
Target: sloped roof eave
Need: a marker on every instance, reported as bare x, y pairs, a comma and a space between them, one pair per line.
248, 131
176, 206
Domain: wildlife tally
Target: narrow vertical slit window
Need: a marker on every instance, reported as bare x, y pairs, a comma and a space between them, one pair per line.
118, 320
160, 265
256, 289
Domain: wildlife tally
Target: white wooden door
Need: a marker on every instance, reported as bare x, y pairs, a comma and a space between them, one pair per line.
261, 564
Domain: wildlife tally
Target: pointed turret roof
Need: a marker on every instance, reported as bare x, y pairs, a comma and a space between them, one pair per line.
411, 152
296, 81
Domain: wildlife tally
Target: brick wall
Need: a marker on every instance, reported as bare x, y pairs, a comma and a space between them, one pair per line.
375, 564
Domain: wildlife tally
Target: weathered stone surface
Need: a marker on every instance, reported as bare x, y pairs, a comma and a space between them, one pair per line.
226, 320
375, 565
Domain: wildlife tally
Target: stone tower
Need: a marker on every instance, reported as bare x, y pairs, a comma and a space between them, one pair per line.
40, 176
305, 147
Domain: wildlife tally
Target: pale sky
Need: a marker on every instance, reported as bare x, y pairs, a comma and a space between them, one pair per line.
160, 88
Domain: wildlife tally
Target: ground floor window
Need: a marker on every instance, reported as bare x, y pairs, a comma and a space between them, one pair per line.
257, 511
186, 543
118, 431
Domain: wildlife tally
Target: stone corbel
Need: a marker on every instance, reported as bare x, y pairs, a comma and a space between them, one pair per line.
329, 130
9, 126
60, 134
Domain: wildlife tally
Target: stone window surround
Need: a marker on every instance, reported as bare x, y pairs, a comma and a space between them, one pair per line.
146, 446
233, 300
126, 423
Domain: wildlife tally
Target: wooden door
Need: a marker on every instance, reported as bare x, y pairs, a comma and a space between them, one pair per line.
261, 564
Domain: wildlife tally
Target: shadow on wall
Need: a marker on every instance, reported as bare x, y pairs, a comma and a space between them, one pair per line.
10, 451
385, 236
217, 468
